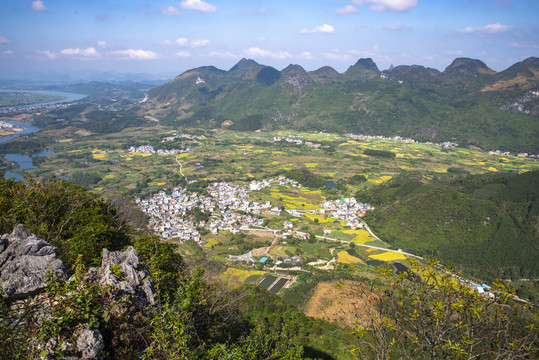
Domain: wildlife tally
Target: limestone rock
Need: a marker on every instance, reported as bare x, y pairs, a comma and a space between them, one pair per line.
123, 271
89, 343
25, 263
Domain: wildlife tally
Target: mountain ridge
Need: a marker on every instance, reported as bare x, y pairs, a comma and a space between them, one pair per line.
468, 102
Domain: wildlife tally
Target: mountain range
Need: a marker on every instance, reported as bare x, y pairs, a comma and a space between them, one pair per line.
467, 103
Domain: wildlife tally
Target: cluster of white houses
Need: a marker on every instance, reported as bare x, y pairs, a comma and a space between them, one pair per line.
183, 136
348, 210
296, 140
149, 149
167, 211
231, 209
361, 137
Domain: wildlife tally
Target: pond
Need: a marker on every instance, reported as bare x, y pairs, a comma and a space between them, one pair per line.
331, 184
24, 161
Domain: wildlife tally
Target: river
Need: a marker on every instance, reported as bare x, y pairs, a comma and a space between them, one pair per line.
25, 161
67, 97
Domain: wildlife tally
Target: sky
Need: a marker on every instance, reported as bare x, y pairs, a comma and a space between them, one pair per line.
169, 36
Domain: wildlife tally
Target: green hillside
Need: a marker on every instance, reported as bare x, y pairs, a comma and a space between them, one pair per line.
467, 103
486, 225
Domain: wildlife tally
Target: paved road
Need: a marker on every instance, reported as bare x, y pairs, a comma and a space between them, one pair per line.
371, 246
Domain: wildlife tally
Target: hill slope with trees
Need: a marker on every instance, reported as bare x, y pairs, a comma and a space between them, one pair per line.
467, 103
486, 225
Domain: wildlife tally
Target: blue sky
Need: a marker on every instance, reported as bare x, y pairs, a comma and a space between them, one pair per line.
67, 36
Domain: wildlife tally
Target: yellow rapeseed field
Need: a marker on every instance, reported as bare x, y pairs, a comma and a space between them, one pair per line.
388, 256
346, 258
321, 219
362, 236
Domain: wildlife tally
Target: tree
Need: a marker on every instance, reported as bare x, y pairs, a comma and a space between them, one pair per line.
436, 317
65, 215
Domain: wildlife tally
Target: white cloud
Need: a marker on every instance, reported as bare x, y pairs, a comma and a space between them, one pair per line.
388, 5
335, 55
306, 55
199, 43
455, 52
4, 40
325, 28
395, 27
198, 5
348, 9
184, 42
183, 54
256, 11
102, 44
7, 53
38, 6
515, 45
49, 54
225, 55
136, 54
89, 52
170, 11
258, 52
487, 29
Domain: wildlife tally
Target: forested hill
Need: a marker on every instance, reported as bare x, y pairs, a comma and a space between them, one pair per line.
467, 102
486, 225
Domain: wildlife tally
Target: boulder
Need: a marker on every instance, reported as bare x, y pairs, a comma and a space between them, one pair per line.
26, 264
125, 274
89, 342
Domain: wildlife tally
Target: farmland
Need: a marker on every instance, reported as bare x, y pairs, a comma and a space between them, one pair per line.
106, 166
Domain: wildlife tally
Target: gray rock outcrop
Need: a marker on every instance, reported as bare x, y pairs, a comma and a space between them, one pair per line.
26, 263
125, 274
90, 343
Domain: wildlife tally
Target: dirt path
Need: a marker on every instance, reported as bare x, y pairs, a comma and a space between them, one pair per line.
181, 173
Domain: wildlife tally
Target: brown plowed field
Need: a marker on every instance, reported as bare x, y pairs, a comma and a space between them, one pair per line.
345, 302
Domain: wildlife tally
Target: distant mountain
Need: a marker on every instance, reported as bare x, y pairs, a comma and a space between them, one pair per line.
468, 102
363, 68
412, 74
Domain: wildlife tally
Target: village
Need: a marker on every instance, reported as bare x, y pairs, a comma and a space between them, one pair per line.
149, 149
232, 210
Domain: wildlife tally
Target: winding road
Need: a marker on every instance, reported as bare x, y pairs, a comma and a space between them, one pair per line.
179, 163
